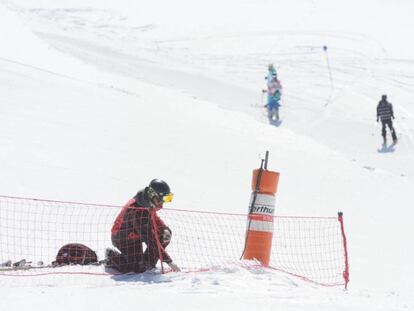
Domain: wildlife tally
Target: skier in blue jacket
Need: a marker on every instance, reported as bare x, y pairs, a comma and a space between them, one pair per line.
273, 98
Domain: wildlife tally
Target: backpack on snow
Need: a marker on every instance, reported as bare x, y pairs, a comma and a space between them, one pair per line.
75, 254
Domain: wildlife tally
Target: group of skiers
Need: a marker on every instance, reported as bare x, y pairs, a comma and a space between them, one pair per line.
385, 111
138, 222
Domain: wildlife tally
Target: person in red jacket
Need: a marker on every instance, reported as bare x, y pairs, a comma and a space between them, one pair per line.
138, 223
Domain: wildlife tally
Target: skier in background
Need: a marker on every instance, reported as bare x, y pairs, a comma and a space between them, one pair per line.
139, 223
274, 89
386, 114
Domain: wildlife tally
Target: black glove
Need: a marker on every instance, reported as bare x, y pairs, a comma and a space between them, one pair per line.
166, 236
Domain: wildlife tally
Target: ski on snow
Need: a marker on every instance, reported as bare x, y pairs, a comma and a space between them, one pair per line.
28, 265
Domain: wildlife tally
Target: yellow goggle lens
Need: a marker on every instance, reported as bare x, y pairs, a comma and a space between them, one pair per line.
167, 198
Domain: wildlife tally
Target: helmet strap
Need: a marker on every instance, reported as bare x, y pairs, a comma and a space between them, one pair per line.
153, 198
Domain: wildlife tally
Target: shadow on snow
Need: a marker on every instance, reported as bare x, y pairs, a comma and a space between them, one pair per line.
386, 149
276, 123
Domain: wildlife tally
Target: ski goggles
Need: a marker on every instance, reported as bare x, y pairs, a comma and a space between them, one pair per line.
167, 198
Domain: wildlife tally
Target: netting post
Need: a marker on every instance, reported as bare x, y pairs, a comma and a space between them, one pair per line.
259, 233
345, 273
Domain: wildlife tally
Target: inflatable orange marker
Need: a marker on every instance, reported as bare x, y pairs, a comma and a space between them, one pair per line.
259, 234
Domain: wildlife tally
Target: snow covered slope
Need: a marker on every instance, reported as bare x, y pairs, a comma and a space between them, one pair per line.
99, 98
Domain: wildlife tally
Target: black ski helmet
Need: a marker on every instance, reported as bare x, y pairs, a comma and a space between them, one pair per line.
384, 97
160, 187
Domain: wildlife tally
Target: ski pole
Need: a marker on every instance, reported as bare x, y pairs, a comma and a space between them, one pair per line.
325, 48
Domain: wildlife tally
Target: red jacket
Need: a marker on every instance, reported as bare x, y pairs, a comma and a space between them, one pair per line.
136, 223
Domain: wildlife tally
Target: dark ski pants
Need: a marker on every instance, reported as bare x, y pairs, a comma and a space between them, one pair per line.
132, 258
388, 122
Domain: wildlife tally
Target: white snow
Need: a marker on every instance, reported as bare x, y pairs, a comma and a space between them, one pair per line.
99, 97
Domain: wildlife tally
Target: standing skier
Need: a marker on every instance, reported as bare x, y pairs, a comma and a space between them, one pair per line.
386, 114
273, 98
139, 223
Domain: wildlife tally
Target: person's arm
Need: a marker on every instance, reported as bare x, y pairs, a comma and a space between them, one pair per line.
392, 111
277, 95
165, 237
377, 112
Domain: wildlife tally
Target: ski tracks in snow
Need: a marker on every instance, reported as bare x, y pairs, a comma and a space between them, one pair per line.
361, 70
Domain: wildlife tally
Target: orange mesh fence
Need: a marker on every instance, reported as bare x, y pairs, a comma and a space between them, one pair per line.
312, 248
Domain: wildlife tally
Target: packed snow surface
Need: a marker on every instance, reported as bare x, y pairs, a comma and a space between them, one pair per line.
100, 97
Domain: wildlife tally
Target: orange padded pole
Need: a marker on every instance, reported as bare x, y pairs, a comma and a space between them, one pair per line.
259, 232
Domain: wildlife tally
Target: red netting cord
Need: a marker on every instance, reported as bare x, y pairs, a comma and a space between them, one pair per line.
312, 248
345, 274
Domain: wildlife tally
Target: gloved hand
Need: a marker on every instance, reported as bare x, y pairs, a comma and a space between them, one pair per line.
393, 117
166, 236
377, 120
264, 91
174, 267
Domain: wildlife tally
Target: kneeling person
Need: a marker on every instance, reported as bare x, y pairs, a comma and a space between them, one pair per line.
139, 223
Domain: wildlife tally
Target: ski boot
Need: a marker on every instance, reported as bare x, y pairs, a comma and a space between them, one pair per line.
20, 263
110, 254
394, 138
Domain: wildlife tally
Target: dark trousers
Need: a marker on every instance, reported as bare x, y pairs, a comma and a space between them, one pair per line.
132, 258
385, 123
